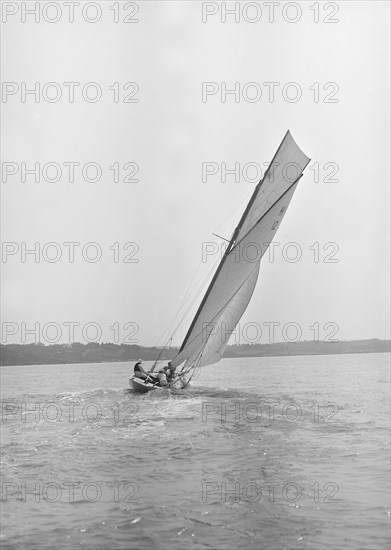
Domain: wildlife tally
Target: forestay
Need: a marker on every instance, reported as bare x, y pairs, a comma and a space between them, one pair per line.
235, 278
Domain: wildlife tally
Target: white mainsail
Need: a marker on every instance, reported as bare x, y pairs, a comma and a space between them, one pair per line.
234, 281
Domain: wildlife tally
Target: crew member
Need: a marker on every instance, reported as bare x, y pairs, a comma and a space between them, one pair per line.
170, 372
139, 370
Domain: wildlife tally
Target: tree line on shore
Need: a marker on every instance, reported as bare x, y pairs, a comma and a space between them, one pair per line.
93, 352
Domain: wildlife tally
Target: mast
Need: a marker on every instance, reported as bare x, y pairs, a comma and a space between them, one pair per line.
231, 243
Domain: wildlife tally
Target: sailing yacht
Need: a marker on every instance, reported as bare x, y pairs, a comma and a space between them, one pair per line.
235, 278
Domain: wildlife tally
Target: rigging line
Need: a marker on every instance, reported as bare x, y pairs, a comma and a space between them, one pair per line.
197, 293
169, 328
220, 237
158, 357
194, 362
189, 291
206, 278
234, 210
192, 374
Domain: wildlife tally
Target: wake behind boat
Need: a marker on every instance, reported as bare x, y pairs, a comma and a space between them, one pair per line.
235, 278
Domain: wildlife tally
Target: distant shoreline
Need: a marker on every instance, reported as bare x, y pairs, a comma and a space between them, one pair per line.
77, 353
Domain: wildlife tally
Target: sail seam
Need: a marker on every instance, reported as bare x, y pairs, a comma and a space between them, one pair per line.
267, 211
261, 185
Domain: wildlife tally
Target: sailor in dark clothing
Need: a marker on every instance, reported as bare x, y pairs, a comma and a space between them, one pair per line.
139, 370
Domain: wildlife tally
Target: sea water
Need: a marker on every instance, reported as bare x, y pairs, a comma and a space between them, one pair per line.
258, 453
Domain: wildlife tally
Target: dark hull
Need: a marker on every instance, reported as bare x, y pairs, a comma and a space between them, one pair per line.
140, 385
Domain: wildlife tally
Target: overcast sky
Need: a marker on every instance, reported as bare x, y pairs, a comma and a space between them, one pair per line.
341, 71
